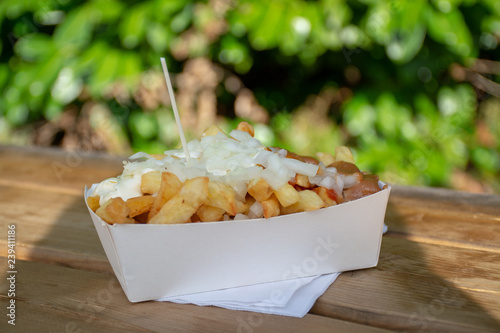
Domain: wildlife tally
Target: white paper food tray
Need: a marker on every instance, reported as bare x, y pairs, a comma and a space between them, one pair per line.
156, 261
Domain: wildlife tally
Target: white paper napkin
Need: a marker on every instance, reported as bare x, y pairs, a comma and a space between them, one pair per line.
292, 298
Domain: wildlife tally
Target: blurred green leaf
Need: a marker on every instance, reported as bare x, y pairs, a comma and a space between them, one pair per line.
41, 79
132, 27
91, 58
129, 68
67, 87
105, 73
265, 34
17, 114
281, 122
336, 13
486, 158
451, 29
404, 46
292, 42
360, 116
75, 31
158, 37
392, 119
143, 125
493, 5
4, 74
53, 109
181, 21
232, 51
438, 169
35, 47
458, 105
107, 11
427, 114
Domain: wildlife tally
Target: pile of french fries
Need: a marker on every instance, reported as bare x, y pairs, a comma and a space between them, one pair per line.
167, 200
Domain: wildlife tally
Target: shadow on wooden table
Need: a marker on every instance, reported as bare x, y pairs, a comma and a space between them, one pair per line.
446, 276
431, 276
63, 276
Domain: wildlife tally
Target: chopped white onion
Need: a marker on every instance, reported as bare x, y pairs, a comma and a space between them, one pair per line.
256, 211
140, 155
331, 170
240, 188
300, 167
351, 180
262, 157
315, 180
275, 180
328, 182
240, 135
339, 185
282, 153
240, 216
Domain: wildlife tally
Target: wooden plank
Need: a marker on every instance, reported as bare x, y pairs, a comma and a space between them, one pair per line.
34, 317
418, 287
55, 169
53, 299
52, 227
445, 217
448, 201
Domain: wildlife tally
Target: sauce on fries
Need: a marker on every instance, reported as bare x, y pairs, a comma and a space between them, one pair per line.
229, 177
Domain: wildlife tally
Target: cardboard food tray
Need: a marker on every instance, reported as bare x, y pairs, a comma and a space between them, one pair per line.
156, 261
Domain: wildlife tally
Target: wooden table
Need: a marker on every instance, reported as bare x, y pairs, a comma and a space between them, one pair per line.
439, 267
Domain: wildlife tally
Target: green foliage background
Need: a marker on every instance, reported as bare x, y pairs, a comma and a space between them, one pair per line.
376, 75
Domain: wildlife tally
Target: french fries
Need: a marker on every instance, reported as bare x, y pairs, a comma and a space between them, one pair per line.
326, 195
245, 127
308, 201
93, 202
271, 207
287, 195
343, 153
150, 182
184, 204
169, 186
222, 196
167, 200
325, 158
244, 207
158, 156
260, 189
139, 205
212, 130
208, 213
302, 180
114, 211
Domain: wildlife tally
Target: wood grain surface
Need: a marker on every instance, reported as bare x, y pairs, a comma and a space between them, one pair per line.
439, 266
94, 302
